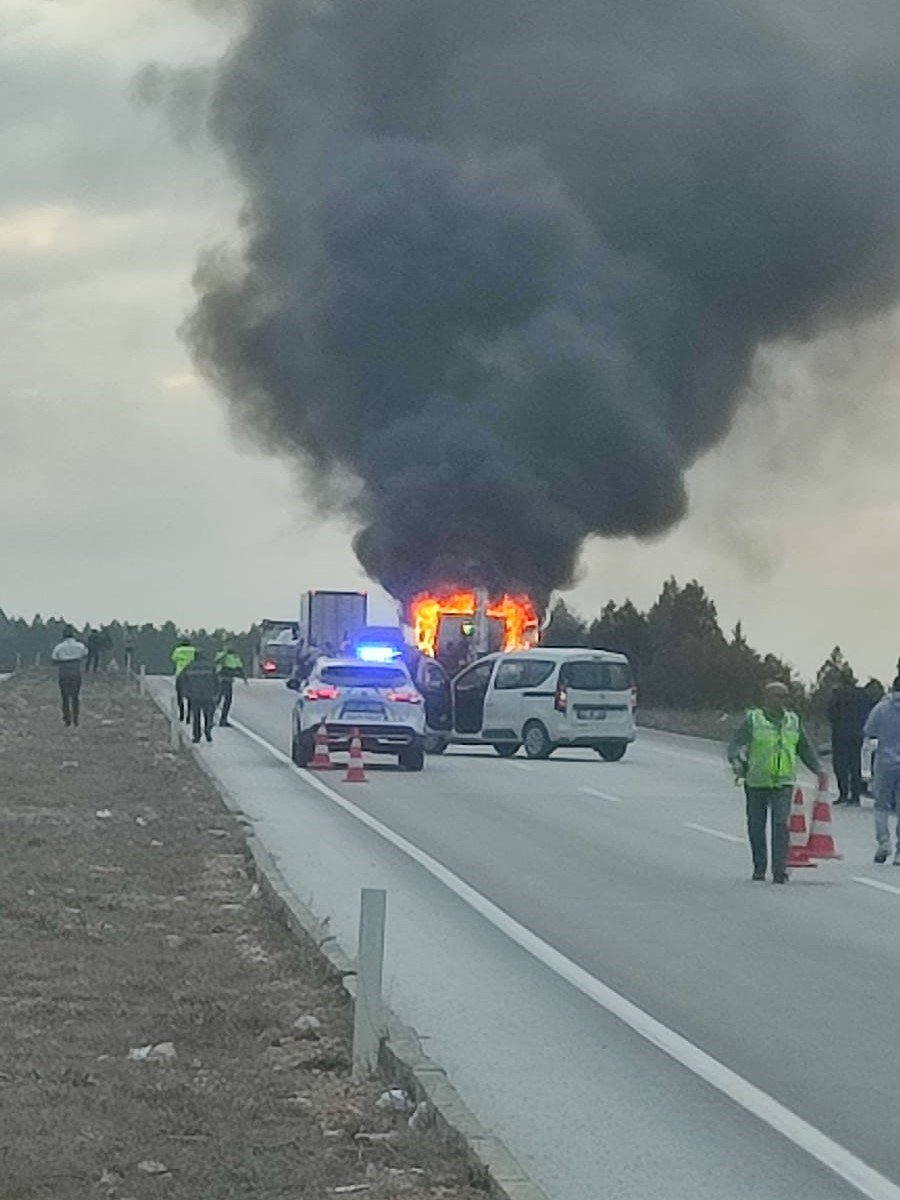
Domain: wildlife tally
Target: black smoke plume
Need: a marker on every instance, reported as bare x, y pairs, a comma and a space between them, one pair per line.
505, 263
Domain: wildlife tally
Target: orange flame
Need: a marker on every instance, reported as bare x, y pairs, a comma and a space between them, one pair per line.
518, 613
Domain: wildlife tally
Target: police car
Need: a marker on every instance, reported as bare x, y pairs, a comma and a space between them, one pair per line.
379, 699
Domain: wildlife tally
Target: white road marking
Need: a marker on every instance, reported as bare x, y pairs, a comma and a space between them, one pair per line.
589, 791
876, 883
726, 837
521, 766
766, 1108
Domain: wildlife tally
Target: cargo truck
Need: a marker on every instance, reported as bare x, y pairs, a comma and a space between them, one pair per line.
330, 621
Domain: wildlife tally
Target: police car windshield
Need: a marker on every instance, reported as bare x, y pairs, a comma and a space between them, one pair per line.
596, 676
352, 675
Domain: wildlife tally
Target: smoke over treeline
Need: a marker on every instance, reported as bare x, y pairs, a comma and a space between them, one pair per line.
507, 264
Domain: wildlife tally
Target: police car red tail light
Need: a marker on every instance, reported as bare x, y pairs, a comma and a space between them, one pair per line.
404, 696
561, 702
322, 691
634, 695
269, 666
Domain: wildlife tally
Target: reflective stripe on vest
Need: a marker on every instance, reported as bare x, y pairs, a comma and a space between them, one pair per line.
772, 755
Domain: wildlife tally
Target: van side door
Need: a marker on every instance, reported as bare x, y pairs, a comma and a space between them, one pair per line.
469, 690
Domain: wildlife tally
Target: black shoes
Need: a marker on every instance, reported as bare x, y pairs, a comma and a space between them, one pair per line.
759, 876
224, 724
195, 740
209, 737
783, 878
881, 855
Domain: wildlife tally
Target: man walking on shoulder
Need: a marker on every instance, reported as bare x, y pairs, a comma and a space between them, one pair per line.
763, 753
883, 723
68, 656
229, 667
200, 686
182, 656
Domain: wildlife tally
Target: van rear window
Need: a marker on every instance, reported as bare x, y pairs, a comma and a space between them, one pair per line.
596, 676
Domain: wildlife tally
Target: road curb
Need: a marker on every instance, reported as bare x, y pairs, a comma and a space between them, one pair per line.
401, 1056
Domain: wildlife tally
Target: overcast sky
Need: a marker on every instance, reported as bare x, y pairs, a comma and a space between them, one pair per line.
123, 492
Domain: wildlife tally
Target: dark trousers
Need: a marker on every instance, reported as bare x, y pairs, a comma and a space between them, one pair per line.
847, 756
206, 710
69, 690
226, 695
760, 802
92, 663
184, 705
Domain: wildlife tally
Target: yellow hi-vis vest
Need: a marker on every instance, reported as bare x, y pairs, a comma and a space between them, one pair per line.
772, 754
182, 656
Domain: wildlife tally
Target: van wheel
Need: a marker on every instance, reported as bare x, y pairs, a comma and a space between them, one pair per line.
506, 749
435, 743
302, 747
536, 740
412, 758
612, 751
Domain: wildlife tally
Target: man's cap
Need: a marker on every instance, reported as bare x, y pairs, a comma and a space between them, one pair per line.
776, 688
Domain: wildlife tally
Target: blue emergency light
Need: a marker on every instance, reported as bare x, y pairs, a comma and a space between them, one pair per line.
377, 654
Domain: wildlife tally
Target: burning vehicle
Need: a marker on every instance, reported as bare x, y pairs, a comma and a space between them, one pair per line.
456, 626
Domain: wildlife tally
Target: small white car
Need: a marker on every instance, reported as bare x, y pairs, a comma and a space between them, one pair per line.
379, 700
546, 698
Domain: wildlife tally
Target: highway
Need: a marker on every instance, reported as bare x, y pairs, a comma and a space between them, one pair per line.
609, 889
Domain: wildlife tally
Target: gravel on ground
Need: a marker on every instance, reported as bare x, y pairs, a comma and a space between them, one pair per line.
161, 1034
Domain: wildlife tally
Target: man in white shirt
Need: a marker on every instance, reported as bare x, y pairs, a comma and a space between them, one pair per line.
68, 656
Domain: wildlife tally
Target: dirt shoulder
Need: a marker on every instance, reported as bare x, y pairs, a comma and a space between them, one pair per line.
128, 921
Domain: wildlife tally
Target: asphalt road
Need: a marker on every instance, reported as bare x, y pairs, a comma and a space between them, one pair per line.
636, 872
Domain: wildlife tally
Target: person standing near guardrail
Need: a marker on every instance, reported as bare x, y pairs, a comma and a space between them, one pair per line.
229, 666
883, 723
847, 711
763, 752
200, 685
68, 655
183, 654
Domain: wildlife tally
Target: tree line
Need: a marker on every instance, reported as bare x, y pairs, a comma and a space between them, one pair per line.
150, 645
680, 654
684, 660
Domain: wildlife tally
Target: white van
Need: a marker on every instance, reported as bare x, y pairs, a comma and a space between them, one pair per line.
546, 698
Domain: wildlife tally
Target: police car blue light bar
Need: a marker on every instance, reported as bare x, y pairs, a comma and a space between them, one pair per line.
377, 654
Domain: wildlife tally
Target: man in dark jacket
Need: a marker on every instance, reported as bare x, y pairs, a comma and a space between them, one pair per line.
200, 686
847, 712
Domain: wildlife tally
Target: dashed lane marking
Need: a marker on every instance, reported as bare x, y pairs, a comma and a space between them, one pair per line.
589, 791
717, 833
876, 883
836, 1158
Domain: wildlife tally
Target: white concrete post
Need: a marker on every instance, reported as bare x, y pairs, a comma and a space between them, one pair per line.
174, 724
37, 659
19, 661
142, 680
368, 1017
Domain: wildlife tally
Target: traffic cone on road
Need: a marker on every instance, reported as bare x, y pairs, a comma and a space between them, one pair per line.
798, 854
356, 769
322, 756
821, 840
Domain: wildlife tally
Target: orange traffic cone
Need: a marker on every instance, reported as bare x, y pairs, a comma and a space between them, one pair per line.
821, 840
322, 756
356, 770
798, 854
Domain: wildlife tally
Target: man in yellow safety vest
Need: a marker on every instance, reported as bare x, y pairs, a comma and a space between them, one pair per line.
182, 656
763, 753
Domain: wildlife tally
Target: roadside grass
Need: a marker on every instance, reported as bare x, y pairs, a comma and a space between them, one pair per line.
141, 927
